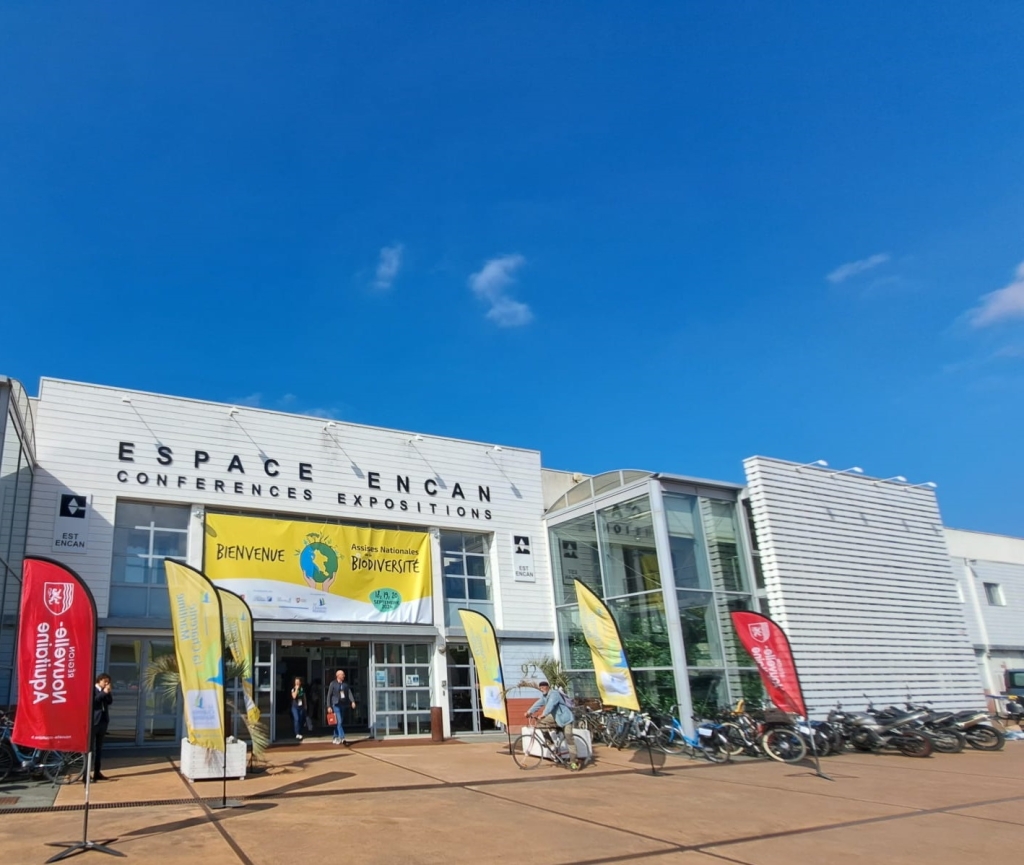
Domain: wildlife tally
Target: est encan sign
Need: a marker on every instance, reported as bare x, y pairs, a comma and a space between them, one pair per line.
522, 559
71, 523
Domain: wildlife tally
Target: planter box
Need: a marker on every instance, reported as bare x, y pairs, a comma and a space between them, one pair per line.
536, 747
198, 764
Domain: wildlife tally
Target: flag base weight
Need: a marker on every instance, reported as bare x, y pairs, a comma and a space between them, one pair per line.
76, 847
225, 803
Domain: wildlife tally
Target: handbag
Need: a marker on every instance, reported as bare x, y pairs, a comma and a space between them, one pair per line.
331, 720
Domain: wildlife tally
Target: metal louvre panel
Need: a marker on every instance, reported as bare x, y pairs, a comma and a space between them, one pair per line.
858, 573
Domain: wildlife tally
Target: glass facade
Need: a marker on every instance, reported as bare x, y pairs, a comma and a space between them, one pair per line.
614, 548
17, 461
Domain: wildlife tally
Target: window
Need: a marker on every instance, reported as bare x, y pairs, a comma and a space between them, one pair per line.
467, 581
994, 593
144, 536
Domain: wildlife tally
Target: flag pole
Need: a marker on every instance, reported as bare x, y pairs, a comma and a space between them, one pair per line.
74, 847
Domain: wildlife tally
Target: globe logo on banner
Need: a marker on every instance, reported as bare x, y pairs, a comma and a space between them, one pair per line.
319, 562
58, 597
759, 631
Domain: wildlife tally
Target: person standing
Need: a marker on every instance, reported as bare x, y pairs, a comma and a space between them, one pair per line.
101, 700
299, 705
340, 697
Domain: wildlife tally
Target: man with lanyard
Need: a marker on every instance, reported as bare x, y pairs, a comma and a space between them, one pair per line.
551, 712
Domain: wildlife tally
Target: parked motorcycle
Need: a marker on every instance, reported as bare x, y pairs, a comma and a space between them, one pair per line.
867, 732
979, 729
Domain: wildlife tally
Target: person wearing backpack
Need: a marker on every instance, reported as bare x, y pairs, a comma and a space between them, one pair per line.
552, 711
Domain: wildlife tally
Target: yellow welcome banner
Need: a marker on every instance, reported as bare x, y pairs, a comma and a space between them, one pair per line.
614, 678
483, 642
195, 614
238, 636
297, 570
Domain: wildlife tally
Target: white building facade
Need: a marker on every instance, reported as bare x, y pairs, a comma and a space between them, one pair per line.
876, 597
147, 474
990, 576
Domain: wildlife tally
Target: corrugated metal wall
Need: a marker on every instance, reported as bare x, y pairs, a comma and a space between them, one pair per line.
858, 573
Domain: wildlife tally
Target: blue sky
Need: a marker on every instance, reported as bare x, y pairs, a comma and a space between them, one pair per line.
660, 235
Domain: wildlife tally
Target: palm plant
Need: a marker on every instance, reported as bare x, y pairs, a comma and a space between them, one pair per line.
162, 677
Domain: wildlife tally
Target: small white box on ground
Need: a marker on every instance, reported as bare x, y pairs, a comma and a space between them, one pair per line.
200, 764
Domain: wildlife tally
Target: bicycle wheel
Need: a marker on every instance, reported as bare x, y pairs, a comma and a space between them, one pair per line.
736, 741
581, 749
670, 740
784, 744
716, 750
6, 762
62, 767
524, 759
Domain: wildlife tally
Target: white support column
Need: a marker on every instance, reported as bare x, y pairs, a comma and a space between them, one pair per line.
668, 590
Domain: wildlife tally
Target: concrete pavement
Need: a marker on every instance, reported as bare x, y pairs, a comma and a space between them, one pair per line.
467, 801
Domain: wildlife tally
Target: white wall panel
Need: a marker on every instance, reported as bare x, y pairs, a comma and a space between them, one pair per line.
858, 573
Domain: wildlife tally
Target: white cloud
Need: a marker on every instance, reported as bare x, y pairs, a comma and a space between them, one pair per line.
388, 266
852, 268
997, 306
253, 400
490, 284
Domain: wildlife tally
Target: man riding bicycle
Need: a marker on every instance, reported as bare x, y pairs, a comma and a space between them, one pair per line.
551, 712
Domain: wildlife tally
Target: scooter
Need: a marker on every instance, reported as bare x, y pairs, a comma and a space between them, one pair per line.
866, 732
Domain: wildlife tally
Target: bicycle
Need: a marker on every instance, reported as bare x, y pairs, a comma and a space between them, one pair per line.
542, 743
710, 741
59, 767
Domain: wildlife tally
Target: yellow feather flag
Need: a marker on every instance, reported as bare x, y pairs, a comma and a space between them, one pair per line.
483, 642
198, 643
238, 635
614, 678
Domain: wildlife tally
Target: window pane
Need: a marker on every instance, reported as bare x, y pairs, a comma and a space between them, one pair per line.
707, 690
478, 590
131, 541
171, 516
475, 543
689, 564
644, 629
728, 571
454, 565
129, 514
476, 566
159, 603
573, 645
656, 690
700, 629
454, 588
576, 559
451, 542
128, 601
630, 559
170, 544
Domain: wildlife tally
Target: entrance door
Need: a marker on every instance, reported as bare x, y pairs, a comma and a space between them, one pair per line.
139, 715
401, 689
355, 661
463, 693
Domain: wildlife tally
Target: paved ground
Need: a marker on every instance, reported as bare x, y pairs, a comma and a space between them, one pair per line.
458, 802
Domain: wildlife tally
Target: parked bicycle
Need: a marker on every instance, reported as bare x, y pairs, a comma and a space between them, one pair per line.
59, 767
531, 748
709, 742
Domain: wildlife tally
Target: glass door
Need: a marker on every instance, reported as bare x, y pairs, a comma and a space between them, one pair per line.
401, 689
464, 693
355, 661
140, 716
